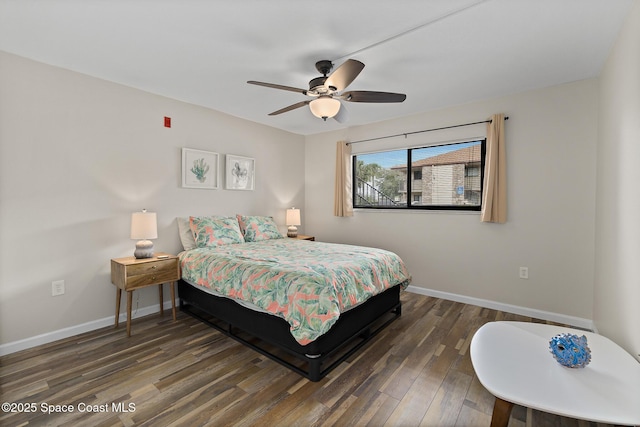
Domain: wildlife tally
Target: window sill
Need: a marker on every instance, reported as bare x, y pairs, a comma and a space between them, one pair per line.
416, 211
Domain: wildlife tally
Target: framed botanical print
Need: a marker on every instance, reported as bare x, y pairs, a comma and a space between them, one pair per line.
239, 173
199, 169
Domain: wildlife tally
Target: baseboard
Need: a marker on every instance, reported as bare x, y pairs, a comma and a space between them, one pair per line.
27, 343
578, 322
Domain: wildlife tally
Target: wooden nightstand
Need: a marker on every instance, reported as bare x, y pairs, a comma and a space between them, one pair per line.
303, 237
129, 274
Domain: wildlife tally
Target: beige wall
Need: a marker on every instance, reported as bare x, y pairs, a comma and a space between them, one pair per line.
77, 156
551, 150
617, 283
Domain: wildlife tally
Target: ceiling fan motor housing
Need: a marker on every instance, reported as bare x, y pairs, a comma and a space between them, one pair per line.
317, 87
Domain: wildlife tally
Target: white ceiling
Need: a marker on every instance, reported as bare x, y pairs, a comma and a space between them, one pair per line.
438, 52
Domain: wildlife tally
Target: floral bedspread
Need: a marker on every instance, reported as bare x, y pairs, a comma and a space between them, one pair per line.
307, 283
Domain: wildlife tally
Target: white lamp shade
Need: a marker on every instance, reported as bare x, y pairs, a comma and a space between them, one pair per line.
324, 107
144, 225
293, 216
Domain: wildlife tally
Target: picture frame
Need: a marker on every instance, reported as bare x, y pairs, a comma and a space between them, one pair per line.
239, 173
200, 169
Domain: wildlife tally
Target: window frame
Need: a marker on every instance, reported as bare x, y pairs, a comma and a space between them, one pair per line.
408, 205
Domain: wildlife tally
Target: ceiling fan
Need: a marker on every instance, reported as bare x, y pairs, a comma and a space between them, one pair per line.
326, 91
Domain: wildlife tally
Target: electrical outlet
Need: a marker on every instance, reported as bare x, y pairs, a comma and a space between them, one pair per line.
57, 288
524, 272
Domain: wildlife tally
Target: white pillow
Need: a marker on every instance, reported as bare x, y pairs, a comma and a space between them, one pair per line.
186, 235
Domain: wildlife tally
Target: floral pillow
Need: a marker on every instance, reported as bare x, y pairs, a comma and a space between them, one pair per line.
257, 228
209, 231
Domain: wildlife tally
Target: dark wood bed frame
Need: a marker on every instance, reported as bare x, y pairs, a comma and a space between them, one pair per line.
270, 335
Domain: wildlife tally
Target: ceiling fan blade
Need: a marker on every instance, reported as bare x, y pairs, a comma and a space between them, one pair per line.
369, 96
274, 86
344, 75
290, 107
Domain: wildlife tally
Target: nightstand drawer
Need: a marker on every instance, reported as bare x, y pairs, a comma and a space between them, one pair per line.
151, 273
149, 279
155, 267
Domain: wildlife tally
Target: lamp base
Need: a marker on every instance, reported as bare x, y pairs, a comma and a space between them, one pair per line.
292, 231
144, 249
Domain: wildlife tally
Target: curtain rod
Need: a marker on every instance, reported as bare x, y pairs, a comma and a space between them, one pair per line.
422, 131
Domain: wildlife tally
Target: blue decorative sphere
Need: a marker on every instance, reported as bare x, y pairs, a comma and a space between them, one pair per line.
570, 350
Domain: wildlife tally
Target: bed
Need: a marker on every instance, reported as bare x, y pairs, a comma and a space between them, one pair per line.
307, 305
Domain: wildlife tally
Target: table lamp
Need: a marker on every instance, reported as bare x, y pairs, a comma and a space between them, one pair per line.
292, 219
144, 227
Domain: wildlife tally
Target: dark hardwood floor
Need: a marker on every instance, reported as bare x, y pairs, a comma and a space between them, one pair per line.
417, 372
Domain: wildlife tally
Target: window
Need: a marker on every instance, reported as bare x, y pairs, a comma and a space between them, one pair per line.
447, 176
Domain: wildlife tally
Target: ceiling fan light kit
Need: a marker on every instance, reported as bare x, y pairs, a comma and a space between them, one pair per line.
324, 107
325, 90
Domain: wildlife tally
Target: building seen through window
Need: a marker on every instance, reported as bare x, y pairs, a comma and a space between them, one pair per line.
445, 176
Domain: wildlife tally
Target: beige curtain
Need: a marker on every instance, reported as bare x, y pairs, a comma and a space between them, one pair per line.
494, 198
343, 204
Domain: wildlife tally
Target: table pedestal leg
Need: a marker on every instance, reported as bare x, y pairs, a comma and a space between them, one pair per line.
501, 413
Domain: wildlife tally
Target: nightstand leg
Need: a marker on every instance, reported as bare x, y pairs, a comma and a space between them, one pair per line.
129, 301
118, 296
173, 300
161, 300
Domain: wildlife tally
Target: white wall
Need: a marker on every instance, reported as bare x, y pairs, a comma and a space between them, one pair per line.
551, 140
77, 156
617, 284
